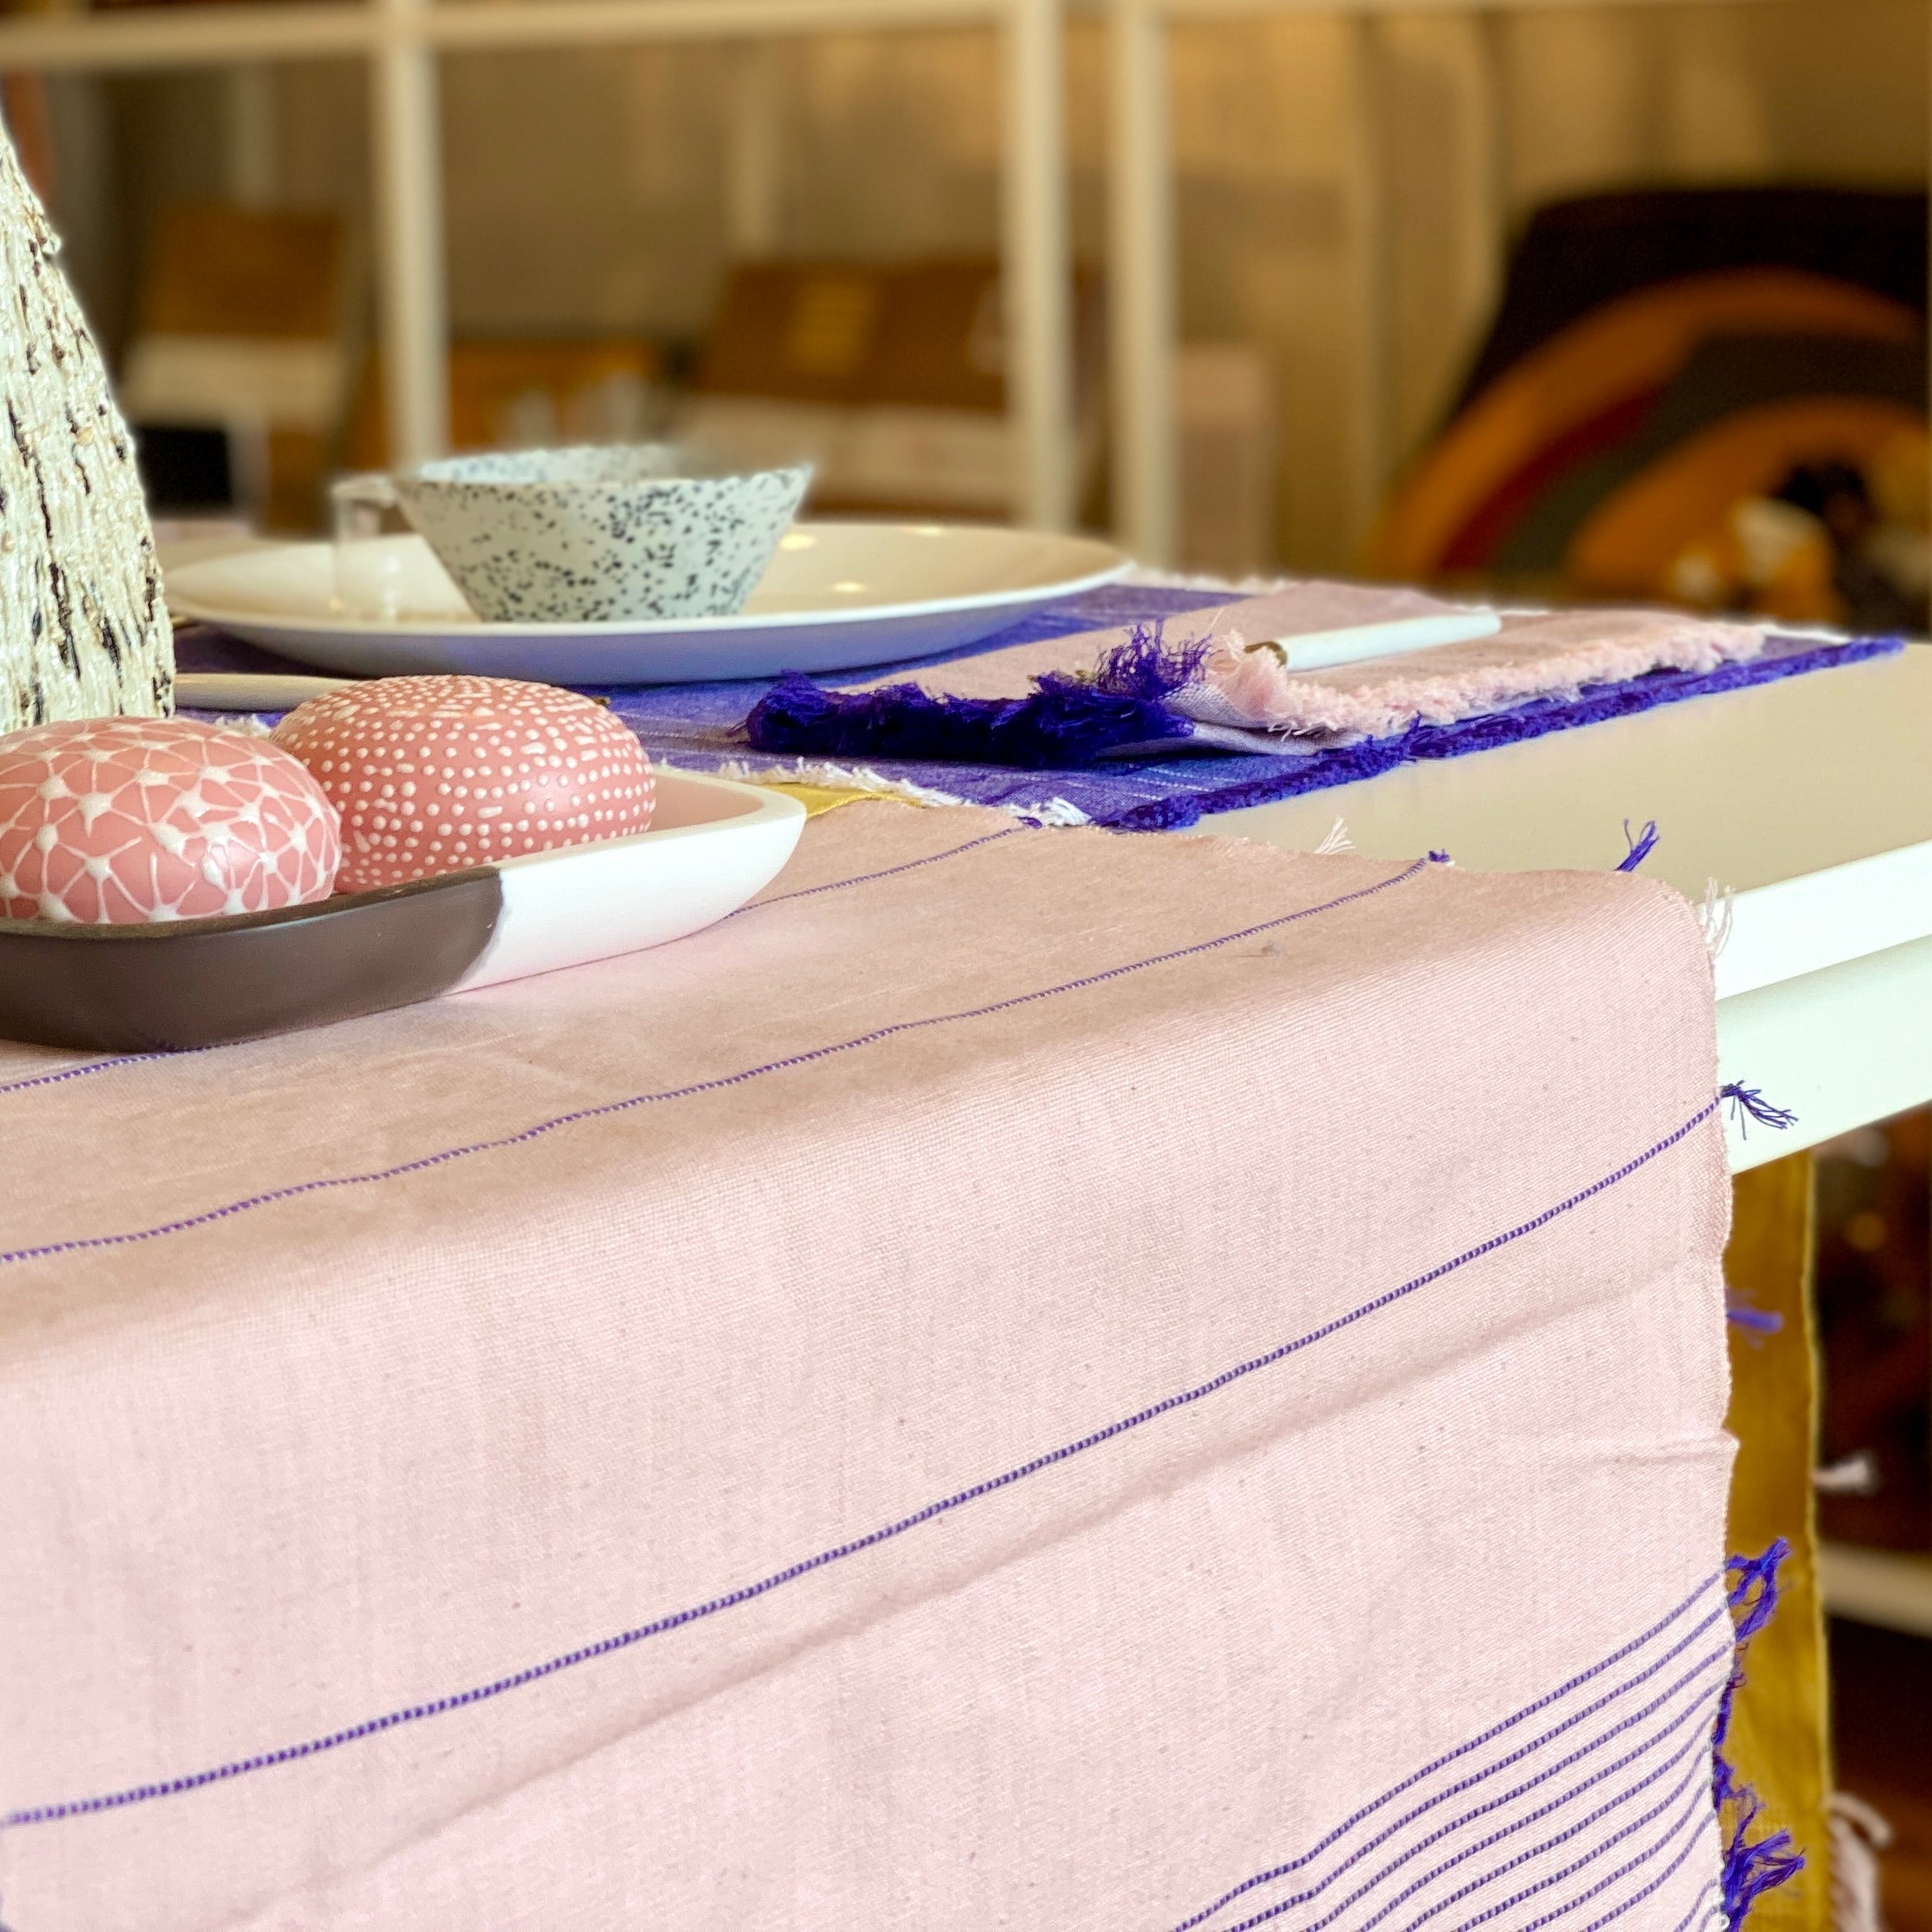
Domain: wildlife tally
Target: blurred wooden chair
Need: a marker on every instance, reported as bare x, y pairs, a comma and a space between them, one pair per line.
890, 379
526, 393
245, 329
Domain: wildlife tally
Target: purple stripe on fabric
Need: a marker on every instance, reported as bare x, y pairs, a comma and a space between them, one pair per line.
1700, 1803
1697, 1748
890, 872
47, 1813
138, 1059
1691, 1714
1717, 1660
1718, 1612
1691, 1778
92, 1066
1706, 1903
85, 1244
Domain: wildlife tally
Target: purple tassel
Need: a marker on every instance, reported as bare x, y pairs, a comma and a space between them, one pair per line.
1761, 1574
1760, 1321
1640, 848
1751, 1867
1143, 667
1063, 724
1440, 859
1747, 1103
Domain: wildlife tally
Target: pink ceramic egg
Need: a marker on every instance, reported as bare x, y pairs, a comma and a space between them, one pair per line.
432, 775
111, 820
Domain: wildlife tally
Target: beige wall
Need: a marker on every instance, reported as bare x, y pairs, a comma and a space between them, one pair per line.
590, 190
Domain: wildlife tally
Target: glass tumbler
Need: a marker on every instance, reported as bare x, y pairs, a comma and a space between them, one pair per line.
366, 560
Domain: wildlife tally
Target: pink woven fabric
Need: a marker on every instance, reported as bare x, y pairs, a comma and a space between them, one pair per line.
1101, 1383
1530, 657
1243, 687
1292, 610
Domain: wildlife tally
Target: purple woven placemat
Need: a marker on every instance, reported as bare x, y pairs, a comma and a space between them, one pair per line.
701, 726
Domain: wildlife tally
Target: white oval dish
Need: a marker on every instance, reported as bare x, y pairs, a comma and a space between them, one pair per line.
838, 596
170, 985
713, 845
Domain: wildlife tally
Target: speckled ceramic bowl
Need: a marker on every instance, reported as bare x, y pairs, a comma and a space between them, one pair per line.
600, 535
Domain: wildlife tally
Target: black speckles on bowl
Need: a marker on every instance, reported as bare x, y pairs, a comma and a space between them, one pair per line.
598, 535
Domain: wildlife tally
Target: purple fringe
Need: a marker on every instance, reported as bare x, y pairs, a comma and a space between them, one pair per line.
1752, 1867
1067, 723
1748, 1104
1640, 848
1144, 666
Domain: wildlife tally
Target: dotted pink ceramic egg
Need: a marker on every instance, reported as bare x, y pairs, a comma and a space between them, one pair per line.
432, 775
110, 819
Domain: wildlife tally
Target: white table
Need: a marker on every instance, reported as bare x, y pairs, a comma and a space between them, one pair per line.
1812, 800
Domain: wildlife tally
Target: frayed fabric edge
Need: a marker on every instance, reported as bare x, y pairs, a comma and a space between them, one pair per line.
1051, 811
1751, 1867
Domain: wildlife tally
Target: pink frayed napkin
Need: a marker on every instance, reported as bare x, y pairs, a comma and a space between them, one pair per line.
1249, 686
1231, 669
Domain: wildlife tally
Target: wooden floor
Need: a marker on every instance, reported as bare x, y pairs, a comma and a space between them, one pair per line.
1882, 1689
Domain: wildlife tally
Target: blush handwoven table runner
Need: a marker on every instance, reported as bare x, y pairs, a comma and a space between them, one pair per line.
1030, 1378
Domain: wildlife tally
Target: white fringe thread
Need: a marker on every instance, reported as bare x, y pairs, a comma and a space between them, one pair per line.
1858, 1835
1057, 812
1715, 914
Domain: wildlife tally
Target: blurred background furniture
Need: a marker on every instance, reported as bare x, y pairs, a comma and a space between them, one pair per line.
401, 42
1144, 248
1713, 396
237, 376
891, 378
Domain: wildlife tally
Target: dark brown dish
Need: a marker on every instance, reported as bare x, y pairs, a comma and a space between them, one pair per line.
201, 983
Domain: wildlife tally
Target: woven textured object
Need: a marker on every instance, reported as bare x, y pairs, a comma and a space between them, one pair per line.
83, 632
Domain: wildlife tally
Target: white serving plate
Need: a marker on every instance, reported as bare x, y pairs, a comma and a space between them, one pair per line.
837, 597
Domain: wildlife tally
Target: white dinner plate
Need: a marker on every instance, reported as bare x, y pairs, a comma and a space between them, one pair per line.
837, 597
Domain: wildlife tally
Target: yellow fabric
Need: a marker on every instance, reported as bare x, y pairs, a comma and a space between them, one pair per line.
818, 798
1626, 348
1780, 1730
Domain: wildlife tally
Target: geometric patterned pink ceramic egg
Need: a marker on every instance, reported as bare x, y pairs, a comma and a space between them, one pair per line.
433, 774
106, 821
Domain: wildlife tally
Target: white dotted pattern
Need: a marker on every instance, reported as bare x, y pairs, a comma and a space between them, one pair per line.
432, 775
113, 820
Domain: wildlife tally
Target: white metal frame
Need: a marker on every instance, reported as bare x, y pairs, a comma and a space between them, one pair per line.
401, 40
